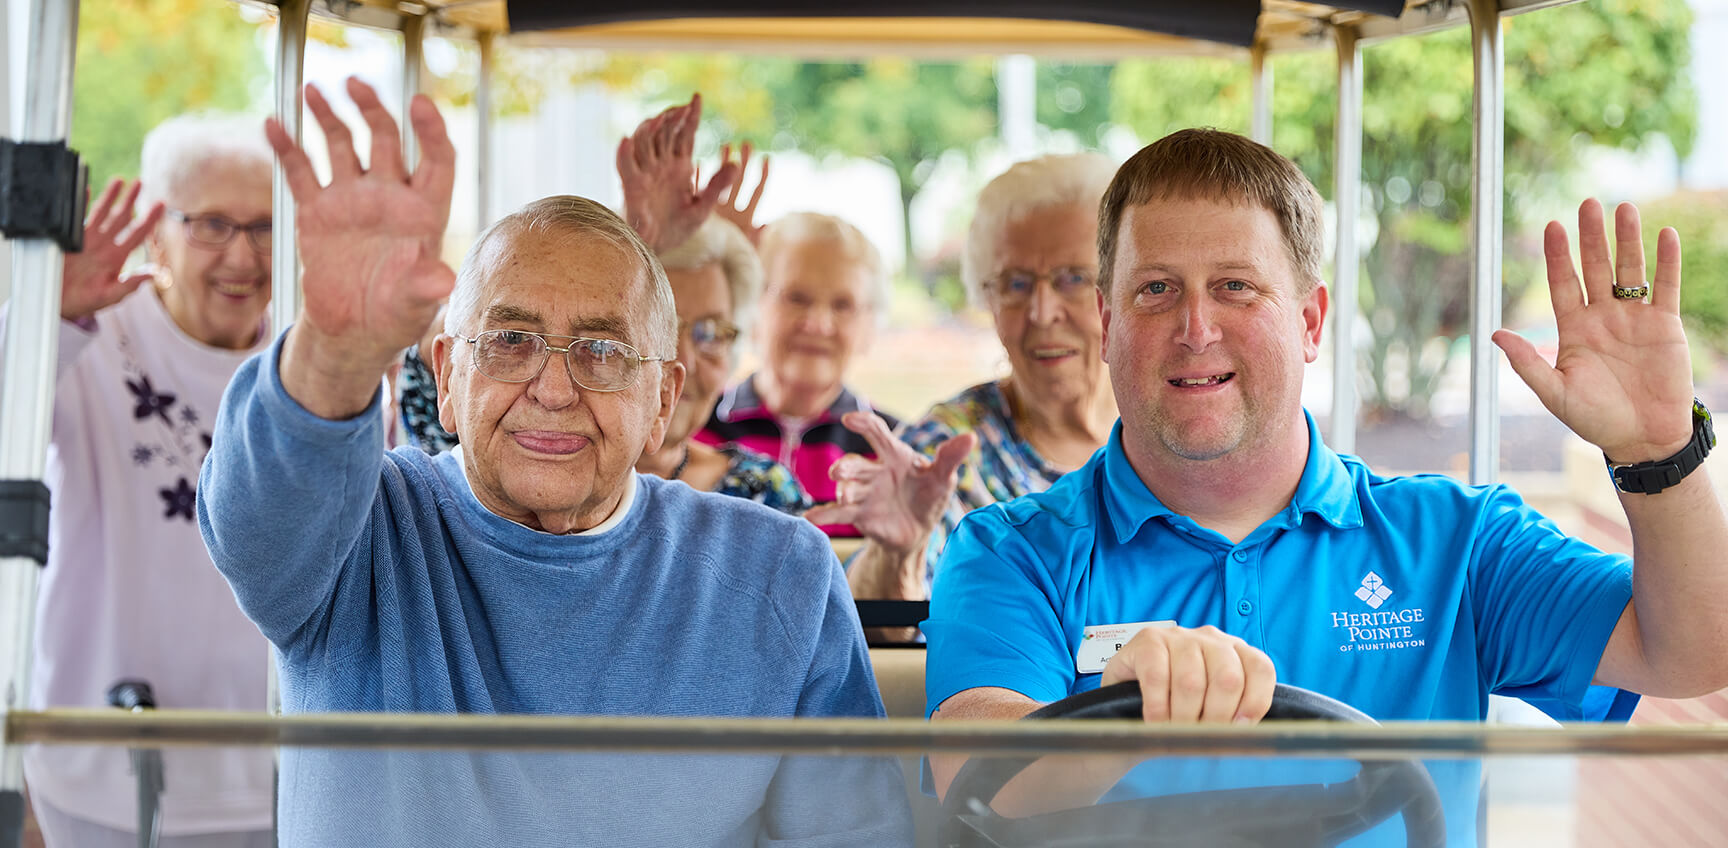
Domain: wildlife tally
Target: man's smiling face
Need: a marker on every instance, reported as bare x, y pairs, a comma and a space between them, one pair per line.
1207, 328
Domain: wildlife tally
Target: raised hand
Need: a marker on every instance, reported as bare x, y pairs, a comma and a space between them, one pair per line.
91, 279
661, 200
369, 241
897, 498
1622, 379
744, 216
369, 244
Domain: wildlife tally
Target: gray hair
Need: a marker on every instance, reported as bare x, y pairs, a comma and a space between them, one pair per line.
575, 216
719, 241
1055, 180
800, 227
177, 151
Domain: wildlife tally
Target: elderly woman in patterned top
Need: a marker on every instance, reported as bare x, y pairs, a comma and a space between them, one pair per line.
1031, 259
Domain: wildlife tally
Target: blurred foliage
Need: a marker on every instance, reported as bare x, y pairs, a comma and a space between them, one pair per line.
898, 111
1701, 217
1075, 98
142, 61
1610, 72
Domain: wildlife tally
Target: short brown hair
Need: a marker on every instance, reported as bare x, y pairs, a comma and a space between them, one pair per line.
1213, 164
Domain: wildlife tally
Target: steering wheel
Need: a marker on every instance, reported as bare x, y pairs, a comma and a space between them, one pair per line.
1317, 814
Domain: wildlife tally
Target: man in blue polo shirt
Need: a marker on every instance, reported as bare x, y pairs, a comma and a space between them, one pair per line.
1216, 544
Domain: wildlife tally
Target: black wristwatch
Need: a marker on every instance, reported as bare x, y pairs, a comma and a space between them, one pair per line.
1648, 478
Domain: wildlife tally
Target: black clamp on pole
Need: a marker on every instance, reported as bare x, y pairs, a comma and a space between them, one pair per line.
24, 519
42, 192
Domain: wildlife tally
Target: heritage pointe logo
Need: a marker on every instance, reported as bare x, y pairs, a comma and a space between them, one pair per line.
1382, 629
1373, 591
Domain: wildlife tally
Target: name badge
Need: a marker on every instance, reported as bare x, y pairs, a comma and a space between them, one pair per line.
1100, 642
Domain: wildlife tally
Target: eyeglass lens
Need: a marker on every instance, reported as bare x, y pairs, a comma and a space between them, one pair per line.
217, 232
512, 356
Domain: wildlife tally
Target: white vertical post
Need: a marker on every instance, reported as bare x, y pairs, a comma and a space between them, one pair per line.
1486, 227
413, 43
7, 51
1346, 197
284, 255
483, 128
1260, 81
1017, 105
27, 393
284, 260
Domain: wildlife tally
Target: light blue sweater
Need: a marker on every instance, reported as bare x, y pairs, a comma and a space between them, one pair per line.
386, 586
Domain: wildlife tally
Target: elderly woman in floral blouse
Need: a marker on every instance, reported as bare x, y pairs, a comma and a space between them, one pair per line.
1031, 259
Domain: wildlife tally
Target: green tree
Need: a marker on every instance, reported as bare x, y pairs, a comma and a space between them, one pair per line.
142, 61
1701, 218
1610, 72
1075, 98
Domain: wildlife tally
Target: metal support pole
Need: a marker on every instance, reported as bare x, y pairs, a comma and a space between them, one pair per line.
483, 128
7, 50
1486, 227
284, 258
413, 43
284, 261
1260, 79
1017, 104
1347, 195
27, 394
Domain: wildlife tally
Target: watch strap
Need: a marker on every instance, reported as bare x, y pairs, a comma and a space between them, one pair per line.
1648, 478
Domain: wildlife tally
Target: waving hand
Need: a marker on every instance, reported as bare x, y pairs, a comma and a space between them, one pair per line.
1622, 379
655, 164
369, 242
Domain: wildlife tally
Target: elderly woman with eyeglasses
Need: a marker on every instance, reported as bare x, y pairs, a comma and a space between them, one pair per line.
129, 590
1031, 259
715, 277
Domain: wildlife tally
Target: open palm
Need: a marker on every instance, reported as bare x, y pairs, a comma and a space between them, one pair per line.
90, 280
897, 498
369, 241
1622, 377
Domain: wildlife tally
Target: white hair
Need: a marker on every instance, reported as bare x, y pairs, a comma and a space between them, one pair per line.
801, 227
1055, 180
719, 241
178, 151
576, 216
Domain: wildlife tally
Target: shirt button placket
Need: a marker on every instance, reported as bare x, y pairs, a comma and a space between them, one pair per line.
1244, 583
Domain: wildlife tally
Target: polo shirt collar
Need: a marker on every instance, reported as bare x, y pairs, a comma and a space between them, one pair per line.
741, 402
1326, 489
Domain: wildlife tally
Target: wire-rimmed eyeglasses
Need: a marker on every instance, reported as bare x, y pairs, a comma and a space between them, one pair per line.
598, 365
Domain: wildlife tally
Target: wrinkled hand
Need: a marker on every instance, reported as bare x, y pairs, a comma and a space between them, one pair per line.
661, 201
369, 241
1622, 379
90, 281
897, 498
1201, 674
744, 216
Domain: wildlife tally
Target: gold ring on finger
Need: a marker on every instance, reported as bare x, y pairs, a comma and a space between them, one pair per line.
1632, 292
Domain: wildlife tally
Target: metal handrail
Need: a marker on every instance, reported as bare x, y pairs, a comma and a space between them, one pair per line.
1430, 740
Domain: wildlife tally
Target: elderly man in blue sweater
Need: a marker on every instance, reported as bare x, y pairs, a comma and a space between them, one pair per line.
533, 571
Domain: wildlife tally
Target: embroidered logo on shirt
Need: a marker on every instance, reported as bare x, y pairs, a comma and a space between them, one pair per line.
1373, 591
1380, 630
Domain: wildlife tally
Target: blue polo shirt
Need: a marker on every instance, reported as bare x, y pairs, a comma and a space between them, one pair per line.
1410, 598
